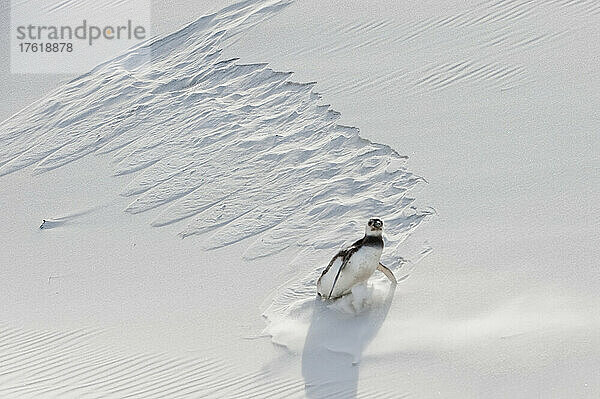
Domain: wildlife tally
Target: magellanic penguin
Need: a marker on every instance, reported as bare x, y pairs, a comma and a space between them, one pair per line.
355, 264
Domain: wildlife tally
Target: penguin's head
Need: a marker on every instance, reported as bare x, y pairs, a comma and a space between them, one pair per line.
374, 227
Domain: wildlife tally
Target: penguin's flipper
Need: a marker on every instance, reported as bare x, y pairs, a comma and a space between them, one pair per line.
336, 277
388, 273
345, 254
339, 257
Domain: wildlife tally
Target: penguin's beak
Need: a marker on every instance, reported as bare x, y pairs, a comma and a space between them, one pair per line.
375, 225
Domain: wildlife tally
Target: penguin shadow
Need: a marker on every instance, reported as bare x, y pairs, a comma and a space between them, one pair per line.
334, 345
48, 224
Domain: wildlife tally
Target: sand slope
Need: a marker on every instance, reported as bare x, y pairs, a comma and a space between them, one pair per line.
141, 167
203, 145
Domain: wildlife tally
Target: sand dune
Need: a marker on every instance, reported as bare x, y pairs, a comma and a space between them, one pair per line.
238, 147
71, 365
234, 182
208, 145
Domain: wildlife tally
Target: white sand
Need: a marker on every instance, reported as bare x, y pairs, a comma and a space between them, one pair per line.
495, 104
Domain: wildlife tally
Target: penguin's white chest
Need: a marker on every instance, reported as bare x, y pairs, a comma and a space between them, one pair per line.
359, 268
363, 263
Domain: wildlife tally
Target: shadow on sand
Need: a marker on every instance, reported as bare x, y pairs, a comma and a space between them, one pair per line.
334, 345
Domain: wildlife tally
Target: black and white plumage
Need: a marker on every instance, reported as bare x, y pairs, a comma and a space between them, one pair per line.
354, 264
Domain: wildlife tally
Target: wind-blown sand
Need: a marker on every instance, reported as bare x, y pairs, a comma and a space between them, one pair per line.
192, 202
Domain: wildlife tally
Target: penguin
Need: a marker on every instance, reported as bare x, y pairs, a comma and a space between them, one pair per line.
354, 264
